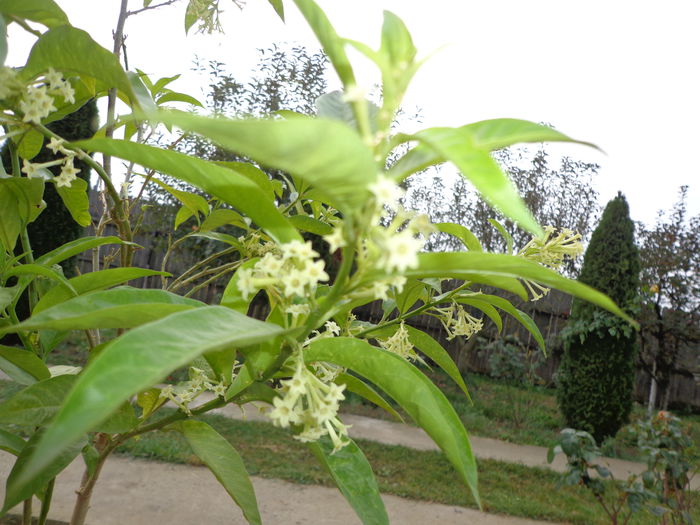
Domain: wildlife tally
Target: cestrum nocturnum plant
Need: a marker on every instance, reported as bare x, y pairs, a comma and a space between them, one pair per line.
329, 236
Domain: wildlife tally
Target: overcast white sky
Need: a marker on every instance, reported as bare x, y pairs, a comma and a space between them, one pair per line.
621, 74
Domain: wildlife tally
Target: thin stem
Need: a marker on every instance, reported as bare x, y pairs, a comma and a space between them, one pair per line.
27, 511
163, 4
46, 504
224, 270
23, 24
175, 284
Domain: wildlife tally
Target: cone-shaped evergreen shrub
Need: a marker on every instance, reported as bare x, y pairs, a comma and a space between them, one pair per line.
596, 376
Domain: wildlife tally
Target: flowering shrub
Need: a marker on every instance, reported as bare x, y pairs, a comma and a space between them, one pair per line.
310, 348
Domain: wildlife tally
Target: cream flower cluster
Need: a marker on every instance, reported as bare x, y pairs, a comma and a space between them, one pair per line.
293, 272
311, 403
550, 251
68, 170
183, 394
401, 345
38, 100
457, 321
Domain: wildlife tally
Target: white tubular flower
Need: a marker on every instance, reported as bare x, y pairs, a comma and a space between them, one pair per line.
245, 282
457, 321
332, 327
551, 250
401, 251
335, 239
68, 174
315, 272
400, 344
29, 168
380, 290
36, 104
56, 145
54, 78
299, 250
386, 191
294, 283
308, 401
297, 310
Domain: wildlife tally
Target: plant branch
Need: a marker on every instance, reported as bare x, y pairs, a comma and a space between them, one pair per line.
148, 8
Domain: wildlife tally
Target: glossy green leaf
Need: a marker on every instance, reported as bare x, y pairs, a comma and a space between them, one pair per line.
220, 237
485, 307
222, 183
224, 462
72, 50
29, 270
11, 443
311, 225
135, 361
45, 12
278, 6
359, 387
123, 420
477, 165
462, 264
193, 202
172, 96
329, 40
68, 250
220, 217
341, 166
416, 159
469, 240
256, 175
75, 198
232, 296
22, 366
412, 390
353, 475
411, 292
37, 403
92, 281
30, 144
503, 132
122, 307
520, 316
20, 203
504, 233
3, 48
16, 492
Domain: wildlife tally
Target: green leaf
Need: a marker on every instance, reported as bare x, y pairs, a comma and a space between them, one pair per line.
135, 361
412, 291
69, 249
222, 183
72, 50
221, 216
330, 41
191, 14
278, 6
37, 403
359, 387
414, 392
122, 307
431, 348
504, 233
11, 443
334, 106
503, 132
520, 316
477, 165
469, 240
172, 96
7, 295
353, 475
75, 198
92, 281
311, 225
45, 12
485, 307
123, 420
232, 297
3, 48
224, 462
16, 492
460, 265
42, 271
341, 166
193, 202
30, 144
22, 366
397, 44
20, 203
256, 175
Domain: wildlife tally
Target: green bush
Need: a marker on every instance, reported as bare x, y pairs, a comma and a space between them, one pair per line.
596, 376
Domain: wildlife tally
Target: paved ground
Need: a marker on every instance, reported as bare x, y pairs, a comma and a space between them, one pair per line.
137, 492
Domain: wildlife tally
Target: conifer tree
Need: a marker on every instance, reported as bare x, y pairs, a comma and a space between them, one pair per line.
596, 376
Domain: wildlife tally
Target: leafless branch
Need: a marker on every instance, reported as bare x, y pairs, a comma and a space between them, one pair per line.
156, 6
